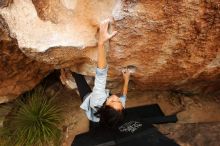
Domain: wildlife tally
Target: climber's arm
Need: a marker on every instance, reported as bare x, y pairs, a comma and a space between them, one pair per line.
104, 36
102, 63
102, 69
126, 76
125, 89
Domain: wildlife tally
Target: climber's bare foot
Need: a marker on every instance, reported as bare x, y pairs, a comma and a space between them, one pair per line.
67, 78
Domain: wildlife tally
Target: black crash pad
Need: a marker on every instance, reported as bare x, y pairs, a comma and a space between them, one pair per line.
136, 130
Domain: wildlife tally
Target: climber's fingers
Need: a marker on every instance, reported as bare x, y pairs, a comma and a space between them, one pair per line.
125, 71
112, 34
104, 35
132, 69
104, 25
126, 74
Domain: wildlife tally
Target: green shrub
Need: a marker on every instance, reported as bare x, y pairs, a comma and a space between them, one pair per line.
36, 121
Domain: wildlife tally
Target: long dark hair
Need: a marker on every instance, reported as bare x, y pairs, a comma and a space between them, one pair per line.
109, 117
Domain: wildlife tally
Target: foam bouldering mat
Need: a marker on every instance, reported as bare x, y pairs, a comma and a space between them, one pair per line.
136, 129
149, 114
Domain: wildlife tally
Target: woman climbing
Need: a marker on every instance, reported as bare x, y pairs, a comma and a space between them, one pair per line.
98, 104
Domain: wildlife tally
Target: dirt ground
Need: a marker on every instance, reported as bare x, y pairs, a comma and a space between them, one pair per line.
198, 116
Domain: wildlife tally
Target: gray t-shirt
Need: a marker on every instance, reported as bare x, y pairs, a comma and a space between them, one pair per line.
93, 101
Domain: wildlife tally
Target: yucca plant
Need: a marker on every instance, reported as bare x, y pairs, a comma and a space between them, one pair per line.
36, 121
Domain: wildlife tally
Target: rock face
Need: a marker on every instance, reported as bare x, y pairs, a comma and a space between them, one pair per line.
174, 45
18, 73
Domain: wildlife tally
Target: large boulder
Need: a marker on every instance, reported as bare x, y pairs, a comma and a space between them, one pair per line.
173, 45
